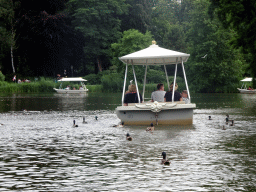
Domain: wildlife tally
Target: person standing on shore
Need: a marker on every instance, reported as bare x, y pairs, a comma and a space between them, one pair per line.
14, 79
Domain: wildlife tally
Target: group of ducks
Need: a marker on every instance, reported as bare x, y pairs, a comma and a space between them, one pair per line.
227, 122
84, 122
151, 128
164, 161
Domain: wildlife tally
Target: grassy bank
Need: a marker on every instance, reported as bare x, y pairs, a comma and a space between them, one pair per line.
46, 85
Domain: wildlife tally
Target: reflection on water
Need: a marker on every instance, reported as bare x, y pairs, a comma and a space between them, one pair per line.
41, 151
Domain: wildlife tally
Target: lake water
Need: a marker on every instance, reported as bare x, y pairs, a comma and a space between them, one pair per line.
41, 151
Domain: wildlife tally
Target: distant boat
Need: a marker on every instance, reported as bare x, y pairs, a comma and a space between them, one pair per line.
244, 89
155, 112
82, 89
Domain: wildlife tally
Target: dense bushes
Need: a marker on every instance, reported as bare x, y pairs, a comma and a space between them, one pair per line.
2, 77
112, 83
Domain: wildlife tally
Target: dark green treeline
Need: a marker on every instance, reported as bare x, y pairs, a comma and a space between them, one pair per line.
85, 38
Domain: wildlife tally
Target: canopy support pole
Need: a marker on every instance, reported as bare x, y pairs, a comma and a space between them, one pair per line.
125, 77
174, 83
185, 79
168, 84
136, 83
144, 85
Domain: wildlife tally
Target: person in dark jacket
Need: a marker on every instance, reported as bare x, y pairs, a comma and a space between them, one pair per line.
168, 95
132, 96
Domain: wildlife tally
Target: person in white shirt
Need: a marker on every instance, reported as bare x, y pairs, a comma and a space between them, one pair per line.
184, 96
159, 94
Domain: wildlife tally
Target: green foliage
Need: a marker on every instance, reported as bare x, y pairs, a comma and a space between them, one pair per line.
41, 86
156, 76
93, 79
6, 28
213, 64
2, 77
94, 88
240, 16
112, 83
99, 23
165, 24
131, 41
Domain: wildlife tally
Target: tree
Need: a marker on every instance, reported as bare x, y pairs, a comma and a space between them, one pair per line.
7, 24
99, 23
46, 44
166, 27
240, 16
214, 65
139, 15
131, 41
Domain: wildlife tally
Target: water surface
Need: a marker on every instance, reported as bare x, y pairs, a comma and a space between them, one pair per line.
40, 150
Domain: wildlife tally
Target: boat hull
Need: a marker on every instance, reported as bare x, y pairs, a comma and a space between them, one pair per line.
64, 91
246, 91
179, 115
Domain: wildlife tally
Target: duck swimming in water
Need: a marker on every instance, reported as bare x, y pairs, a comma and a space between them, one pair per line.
84, 122
120, 125
227, 120
128, 137
151, 128
96, 118
210, 118
164, 161
74, 125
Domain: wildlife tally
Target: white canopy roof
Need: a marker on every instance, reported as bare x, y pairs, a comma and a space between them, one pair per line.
72, 79
247, 79
155, 55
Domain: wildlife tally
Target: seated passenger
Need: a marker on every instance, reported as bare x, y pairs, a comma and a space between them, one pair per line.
131, 96
68, 87
159, 94
81, 88
168, 95
250, 88
184, 96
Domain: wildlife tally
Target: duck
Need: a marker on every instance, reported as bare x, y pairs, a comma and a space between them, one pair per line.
120, 125
164, 161
210, 118
1, 124
96, 118
151, 128
84, 122
74, 125
227, 119
128, 137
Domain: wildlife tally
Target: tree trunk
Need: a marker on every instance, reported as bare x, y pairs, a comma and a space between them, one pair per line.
12, 60
99, 64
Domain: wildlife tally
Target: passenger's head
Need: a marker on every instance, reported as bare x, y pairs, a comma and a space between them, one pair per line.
171, 87
184, 94
160, 86
132, 88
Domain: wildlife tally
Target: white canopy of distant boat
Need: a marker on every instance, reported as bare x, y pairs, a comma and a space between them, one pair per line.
244, 89
155, 112
82, 88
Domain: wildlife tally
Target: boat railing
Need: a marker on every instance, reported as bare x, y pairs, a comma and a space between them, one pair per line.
177, 102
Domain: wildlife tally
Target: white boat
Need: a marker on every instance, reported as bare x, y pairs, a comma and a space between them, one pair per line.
167, 113
82, 89
244, 89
